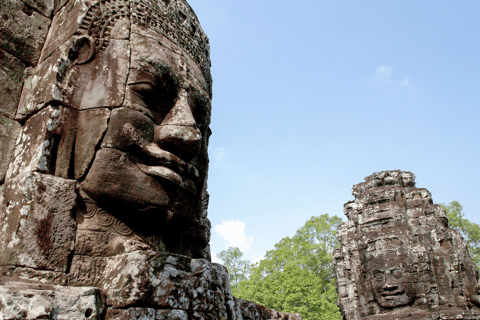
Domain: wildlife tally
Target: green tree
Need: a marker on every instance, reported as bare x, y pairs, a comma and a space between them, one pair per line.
469, 230
238, 269
298, 275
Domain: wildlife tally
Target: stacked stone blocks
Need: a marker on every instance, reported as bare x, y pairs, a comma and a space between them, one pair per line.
399, 258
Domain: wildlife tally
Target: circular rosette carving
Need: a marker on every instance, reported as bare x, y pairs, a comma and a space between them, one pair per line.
122, 228
91, 209
104, 218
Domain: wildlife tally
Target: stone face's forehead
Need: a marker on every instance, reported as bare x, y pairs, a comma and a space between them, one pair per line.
172, 19
154, 53
151, 55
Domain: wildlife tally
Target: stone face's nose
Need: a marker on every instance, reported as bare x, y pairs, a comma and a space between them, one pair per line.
178, 132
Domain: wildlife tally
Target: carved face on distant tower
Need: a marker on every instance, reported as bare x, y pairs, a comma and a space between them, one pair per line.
389, 281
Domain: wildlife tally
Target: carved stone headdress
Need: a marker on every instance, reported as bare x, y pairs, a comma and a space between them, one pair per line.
174, 19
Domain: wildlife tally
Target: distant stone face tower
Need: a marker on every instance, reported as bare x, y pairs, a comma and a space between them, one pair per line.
398, 257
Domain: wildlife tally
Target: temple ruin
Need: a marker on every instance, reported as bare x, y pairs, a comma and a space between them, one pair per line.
104, 126
399, 259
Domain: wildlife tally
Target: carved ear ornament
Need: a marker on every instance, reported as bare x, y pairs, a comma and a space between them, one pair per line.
82, 50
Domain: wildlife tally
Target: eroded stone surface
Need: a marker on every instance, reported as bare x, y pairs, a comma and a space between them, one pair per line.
9, 132
37, 222
157, 280
22, 31
26, 274
92, 125
11, 80
173, 285
43, 84
249, 310
399, 259
35, 149
45, 7
26, 301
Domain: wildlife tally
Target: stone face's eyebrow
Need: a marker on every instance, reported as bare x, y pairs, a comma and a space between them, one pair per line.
156, 67
151, 62
141, 75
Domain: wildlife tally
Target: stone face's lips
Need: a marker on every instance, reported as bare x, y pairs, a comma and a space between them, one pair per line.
393, 293
392, 296
188, 180
160, 163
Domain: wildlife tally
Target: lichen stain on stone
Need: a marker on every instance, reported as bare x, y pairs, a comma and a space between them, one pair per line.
44, 234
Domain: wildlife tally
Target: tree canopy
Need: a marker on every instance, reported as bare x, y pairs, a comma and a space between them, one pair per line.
238, 269
298, 275
469, 230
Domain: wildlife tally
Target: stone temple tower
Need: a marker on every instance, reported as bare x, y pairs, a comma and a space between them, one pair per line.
104, 126
398, 257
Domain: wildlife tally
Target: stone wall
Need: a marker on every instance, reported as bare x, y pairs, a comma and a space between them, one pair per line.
23, 30
399, 258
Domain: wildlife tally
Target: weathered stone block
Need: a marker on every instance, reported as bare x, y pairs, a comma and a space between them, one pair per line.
33, 275
9, 132
158, 280
92, 125
63, 21
131, 314
44, 7
35, 148
26, 301
42, 83
22, 31
37, 218
87, 88
171, 315
11, 81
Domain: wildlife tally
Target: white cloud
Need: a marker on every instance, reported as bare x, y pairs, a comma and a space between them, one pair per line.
384, 74
234, 232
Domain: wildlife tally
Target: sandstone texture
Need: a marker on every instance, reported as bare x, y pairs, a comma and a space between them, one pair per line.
20, 300
105, 109
11, 76
38, 226
23, 30
398, 257
9, 132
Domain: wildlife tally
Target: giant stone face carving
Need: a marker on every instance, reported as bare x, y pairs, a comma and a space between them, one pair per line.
135, 127
398, 258
103, 165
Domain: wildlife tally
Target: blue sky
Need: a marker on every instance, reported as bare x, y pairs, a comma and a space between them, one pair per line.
312, 96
